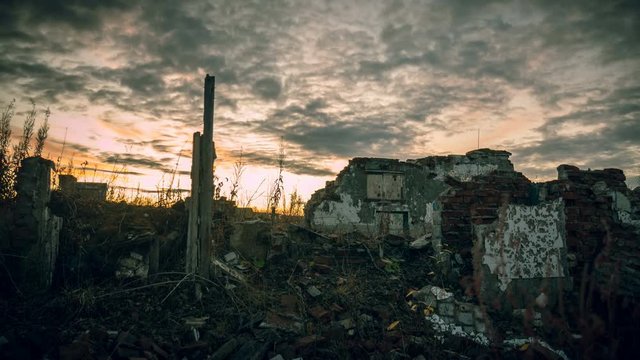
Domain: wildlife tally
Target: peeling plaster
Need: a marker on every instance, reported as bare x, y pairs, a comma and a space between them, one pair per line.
622, 206
442, 326
335, 213
464, 172
428, 216
528, 242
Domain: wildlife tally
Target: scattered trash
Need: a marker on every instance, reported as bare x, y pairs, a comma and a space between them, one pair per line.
393, 325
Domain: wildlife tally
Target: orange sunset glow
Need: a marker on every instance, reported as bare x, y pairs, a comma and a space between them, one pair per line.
550, 82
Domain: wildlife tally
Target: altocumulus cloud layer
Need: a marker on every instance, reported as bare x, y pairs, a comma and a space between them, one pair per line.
553, 82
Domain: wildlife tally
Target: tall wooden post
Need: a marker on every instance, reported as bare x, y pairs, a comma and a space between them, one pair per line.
198, 257
206, 178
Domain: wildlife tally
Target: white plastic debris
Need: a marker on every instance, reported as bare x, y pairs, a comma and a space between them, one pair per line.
440, 293
421, 242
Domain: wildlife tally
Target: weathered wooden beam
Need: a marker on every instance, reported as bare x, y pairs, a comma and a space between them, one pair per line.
193, 244
206, 179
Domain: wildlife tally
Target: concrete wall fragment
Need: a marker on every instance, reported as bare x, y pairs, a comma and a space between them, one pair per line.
36, 230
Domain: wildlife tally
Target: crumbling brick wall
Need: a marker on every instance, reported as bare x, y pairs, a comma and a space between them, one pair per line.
474, 203
602, 235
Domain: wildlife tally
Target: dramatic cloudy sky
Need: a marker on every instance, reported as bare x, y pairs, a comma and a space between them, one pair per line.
550, 81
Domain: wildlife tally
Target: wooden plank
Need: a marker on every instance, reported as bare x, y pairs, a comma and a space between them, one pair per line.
193, 245
206, 179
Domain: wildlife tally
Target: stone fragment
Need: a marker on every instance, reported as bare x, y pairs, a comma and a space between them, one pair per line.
231, 257
314, 291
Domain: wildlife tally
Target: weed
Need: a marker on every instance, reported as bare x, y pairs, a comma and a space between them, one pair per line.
42, 134
10, 162
5, 139
238, 170
278, 186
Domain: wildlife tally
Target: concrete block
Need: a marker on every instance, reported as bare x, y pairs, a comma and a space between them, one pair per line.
465, 318
251, 239
445, 309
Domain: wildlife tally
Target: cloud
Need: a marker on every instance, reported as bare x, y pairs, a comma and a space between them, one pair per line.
78, 14
268, 88
135, 160
78, 147
294, 165
338, 79
614, 142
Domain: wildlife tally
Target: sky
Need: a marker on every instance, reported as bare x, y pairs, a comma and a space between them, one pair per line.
552, 82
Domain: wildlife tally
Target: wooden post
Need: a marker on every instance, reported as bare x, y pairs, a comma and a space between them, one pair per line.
198, 259
193, 244
206, 179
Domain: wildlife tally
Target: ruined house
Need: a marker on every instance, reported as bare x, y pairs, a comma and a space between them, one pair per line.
502, 240
383, 196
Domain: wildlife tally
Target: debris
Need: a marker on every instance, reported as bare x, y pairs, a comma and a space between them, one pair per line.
393, 325
133, 265
229, 271
196, 321
538, 345
225, 350
421, 242
251, 239
231, 257
320, 313
281, 322
309, 340
443, 327
314, 291
348, 323
440, 293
